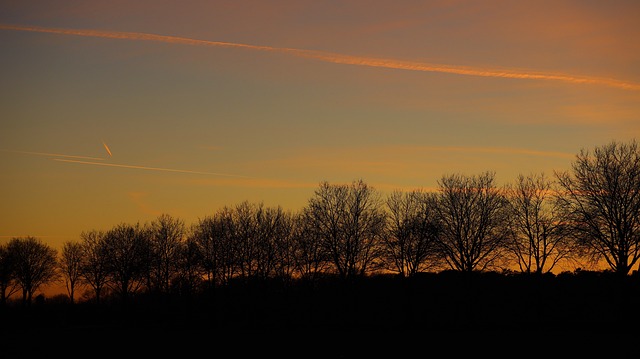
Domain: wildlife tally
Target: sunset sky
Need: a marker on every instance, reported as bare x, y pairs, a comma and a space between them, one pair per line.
118, 111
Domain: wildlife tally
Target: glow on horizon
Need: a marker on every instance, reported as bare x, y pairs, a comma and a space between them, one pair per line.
341, 58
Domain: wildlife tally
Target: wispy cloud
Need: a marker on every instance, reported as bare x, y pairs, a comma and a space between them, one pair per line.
253, 183
343, 58
146, 168
397, 156
55, 155
138, 198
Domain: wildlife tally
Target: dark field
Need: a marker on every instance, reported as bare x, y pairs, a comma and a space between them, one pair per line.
328, 314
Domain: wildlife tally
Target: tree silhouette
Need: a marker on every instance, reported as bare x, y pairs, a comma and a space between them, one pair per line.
35, 264
270, 237
282, 234
190, 270
212, 238
349, 221
95, 263
167, 235
602, 194
473, 216
244, 238
8, 283
128, 251
70, 265
311, 258
412, 234
540, 235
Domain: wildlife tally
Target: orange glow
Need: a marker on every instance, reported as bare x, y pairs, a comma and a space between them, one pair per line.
341, 58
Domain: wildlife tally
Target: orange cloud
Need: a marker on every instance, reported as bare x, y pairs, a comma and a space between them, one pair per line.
397, 158
143, 206
253, 183
342, 58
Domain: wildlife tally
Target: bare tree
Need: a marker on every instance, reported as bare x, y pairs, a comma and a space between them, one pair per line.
245, 238
272, 241
282, 232
128, 252
8, 283
35, 264
473, 213
602, 194
412, 232
310, 257
349, 220
70, 265
166, 238
212, 236
540, 235
95, 262
190, 271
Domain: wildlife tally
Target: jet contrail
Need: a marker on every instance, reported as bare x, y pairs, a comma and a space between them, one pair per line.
340, 58
148, 168
55, 155
107, 148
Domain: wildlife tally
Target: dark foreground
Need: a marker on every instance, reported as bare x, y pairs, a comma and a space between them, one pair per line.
331, 318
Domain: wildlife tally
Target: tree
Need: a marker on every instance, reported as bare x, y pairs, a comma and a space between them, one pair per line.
212, 237
281, 232
190, 273
8, 284
128, 251
70, 265
34, 262
540, 235
95, 261
473, 217
271, 239
245, 238
311, 259
602, 195
166, 238
412, 232
349, 220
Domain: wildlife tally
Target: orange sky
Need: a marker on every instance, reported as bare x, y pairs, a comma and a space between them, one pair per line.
119, 111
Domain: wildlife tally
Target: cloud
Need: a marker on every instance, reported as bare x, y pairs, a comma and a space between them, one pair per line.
342, 58
55, 155
400, 158
254, 183
148, 168
138, 198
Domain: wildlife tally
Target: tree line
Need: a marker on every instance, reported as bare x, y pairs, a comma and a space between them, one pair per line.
586, 215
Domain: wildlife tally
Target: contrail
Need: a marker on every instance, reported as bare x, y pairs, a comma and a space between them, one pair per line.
341, 58
107, 148
55, 155
149, 168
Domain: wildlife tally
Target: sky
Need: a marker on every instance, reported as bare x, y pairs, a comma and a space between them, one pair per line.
118, 111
